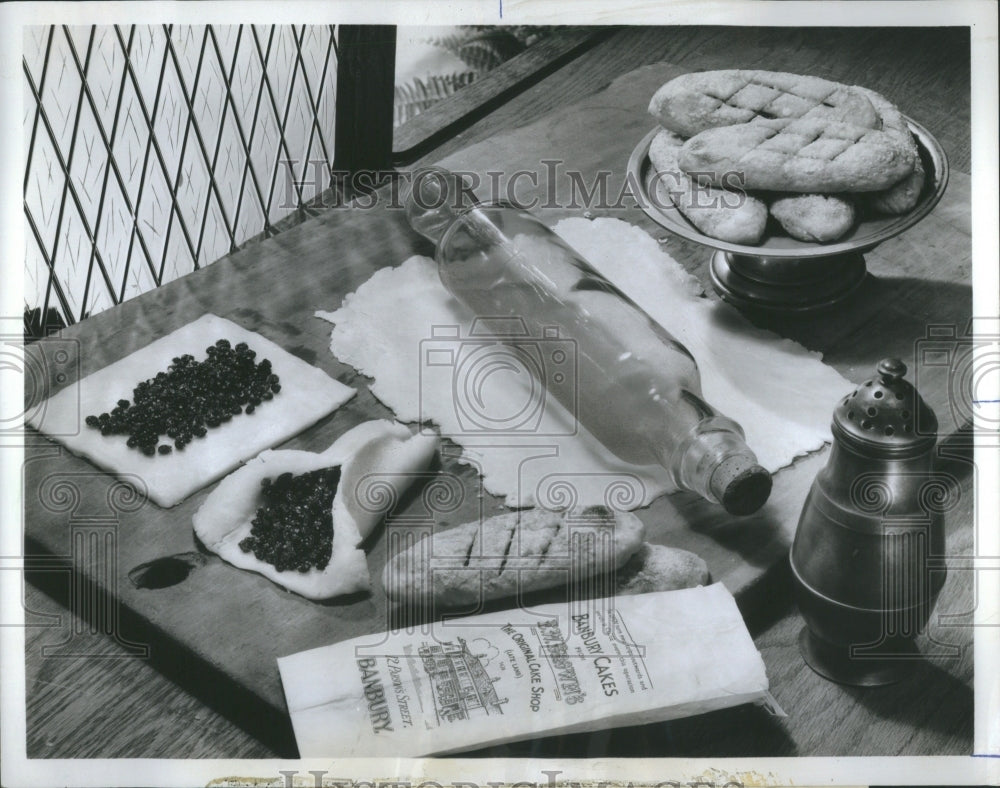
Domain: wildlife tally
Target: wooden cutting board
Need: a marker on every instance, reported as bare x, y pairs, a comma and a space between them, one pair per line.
219, 630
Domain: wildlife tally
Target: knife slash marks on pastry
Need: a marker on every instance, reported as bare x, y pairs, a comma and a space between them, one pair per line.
472, 544
506, 552
545, 550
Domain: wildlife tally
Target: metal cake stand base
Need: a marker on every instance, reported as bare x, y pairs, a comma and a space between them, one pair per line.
786, 284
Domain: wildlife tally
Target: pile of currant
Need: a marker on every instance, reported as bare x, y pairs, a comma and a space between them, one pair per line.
293, 530
190, 398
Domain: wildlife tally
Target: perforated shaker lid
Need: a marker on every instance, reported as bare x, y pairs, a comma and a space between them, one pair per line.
886, 415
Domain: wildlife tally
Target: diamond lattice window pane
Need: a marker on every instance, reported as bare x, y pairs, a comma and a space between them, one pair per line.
192, 139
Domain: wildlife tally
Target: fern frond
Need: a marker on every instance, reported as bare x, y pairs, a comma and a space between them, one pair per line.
414, 97
451, 43
488, 49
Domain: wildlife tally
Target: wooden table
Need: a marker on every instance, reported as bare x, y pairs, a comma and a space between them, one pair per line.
590, 113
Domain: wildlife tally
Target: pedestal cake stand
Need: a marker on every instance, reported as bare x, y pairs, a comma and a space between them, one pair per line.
781, 273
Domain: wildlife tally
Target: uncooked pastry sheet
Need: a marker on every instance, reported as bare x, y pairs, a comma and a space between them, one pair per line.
307, 394
404, 329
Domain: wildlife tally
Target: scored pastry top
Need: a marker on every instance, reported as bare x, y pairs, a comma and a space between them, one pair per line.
692, 103
802, 155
